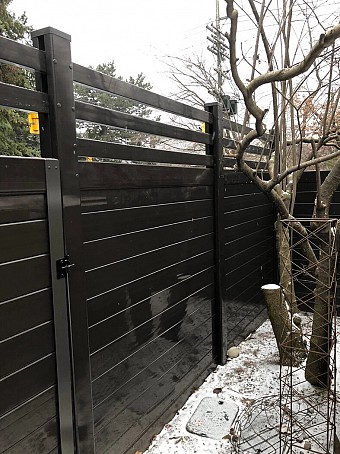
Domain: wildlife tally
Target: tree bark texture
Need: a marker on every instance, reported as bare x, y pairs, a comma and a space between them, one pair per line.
288, 336
317, 370
285, 265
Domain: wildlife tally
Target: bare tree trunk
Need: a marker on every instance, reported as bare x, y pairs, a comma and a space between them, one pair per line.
285, 265
288, 335
317, 367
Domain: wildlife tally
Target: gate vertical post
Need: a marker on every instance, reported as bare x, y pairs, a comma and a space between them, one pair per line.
61, 144
60, 308
216, 149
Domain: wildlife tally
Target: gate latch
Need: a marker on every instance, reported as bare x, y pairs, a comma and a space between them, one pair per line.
63, 266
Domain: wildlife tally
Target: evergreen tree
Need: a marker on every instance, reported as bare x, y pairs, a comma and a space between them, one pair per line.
15, 138
93, 96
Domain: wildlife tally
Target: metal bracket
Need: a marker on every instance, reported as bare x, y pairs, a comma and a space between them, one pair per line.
63, 266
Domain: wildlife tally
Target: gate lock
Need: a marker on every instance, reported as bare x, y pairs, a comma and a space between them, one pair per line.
63, 266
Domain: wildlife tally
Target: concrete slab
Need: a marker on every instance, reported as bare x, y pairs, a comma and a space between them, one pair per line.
213, 418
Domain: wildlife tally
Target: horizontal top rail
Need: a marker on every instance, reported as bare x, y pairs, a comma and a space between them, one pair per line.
21, 54
20, 174
23, 98
102, 175
101, 115
236, 127
102, 149
95, 79
254, 149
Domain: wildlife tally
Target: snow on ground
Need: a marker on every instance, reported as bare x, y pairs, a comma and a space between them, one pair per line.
244, 380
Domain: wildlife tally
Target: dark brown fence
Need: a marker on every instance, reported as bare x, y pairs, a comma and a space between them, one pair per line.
28, 405
149, 258
249, 255
304, 207
123, 280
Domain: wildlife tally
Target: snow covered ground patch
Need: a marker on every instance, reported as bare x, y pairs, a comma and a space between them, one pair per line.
253, 374
251, 382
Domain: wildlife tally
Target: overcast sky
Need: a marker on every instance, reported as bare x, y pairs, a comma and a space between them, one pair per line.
135, 34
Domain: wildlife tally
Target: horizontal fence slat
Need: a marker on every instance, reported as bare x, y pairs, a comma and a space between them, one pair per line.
22, 98
22, 207
23, 239
20, 54
120, 432
231, 162
116, 248
26, 410
233, 271
24, 276
235, 178
139, 378
111, 199
27, 383
106, 278
239, 229
101, 149
101, 115
95, 79
37, 441
231, 144
113, 328
22, 175
103, 224
120, 349
109, 304
255, 243
135, 366
239, 215
123, 176
143, 370
248, 200
24, 313
26, 348
237, 127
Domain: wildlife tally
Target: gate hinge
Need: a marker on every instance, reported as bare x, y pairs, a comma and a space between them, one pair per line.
63, 266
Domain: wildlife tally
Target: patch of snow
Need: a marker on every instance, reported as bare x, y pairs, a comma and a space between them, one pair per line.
270, 287
248, 379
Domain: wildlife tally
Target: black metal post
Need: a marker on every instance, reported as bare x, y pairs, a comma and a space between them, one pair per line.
60, 308
61, 127
216, 149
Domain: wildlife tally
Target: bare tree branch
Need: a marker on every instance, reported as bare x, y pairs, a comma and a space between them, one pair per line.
325, 40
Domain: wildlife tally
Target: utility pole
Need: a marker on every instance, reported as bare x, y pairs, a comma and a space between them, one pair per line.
218, 48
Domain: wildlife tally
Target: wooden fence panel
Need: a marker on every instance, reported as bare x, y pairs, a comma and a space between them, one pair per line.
28, 407
149, 273
249, 255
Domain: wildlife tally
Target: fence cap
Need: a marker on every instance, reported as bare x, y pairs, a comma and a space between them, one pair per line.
50, 31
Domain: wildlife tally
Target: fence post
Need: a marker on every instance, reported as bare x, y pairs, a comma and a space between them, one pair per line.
216, 149
60, 127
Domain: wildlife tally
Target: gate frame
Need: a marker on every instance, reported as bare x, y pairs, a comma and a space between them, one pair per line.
58, 140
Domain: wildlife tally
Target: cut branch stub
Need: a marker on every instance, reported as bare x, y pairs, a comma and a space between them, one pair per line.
288, 336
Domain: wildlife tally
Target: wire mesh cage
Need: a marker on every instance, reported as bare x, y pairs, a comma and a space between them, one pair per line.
308, 258
301, 417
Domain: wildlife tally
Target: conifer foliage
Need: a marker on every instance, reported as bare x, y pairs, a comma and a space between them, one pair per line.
15, 138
